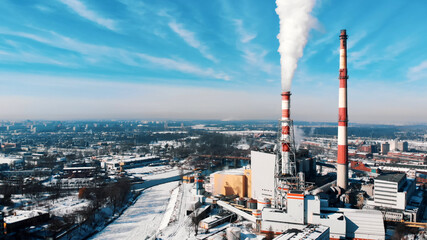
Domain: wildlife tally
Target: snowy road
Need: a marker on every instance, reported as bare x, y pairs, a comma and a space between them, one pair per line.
141, 220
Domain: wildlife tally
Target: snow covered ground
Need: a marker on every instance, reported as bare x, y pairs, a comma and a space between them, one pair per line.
68, 204
143, 219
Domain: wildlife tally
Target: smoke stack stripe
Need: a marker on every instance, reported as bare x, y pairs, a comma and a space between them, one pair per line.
342, 158
286, 103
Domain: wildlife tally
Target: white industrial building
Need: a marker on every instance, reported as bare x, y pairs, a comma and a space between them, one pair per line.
392, 191
394, 196
342, 222
262, 180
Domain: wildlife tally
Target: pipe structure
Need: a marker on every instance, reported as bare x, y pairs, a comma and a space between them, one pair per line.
285, 136
342, 158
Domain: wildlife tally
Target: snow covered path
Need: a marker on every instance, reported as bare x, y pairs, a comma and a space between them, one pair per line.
141, 220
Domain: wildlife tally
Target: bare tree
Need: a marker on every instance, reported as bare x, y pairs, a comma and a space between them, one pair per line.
270, 234
195, 220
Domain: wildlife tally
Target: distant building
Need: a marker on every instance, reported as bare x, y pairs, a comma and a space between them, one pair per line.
393, 145
115, 163
401, 146
385, 148
366, 148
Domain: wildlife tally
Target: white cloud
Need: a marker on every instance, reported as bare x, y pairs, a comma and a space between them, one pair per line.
256, 57
186, 67
190, 38
418, 72
44, 9
253, 53
244, 35
81, 9
97, 54
355, 39
367, 56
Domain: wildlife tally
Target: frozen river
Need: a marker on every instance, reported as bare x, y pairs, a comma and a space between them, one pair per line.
143, 219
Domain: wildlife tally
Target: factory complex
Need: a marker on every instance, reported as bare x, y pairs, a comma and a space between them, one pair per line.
283, 193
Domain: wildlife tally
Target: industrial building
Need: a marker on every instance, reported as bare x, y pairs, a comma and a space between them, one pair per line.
396, 197
393, 190
231, 182
115, 163
263, 167
317, 232
303, 210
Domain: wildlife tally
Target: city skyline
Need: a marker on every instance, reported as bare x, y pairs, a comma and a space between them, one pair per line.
125, 59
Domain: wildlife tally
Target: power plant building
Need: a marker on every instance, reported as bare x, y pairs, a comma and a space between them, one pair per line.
262, 166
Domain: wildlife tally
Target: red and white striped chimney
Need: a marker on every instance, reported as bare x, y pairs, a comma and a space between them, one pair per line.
285, 138
342, 158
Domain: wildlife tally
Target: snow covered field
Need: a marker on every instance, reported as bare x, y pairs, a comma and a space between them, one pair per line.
143, 219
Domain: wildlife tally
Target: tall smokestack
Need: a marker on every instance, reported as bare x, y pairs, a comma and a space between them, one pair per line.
342, 158
286, 138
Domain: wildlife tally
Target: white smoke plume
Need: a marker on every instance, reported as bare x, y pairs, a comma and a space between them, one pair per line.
295, 24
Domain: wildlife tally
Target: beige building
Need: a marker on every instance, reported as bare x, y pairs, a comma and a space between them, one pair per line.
232, 182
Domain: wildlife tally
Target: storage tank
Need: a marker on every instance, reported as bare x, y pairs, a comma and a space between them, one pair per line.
233, 233
257, 213
241, 201
262, 203
252, 204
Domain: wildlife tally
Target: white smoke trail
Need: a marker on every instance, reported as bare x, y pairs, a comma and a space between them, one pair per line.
295, 24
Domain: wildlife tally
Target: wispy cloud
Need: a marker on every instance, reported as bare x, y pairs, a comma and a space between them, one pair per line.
44, 9
367, 56
253, 53
256, 57
185, 67
244, 35
356, 39
190, 38
82, 10
94, 54
418, 72
25, 57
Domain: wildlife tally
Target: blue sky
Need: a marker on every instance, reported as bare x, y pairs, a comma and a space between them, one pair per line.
188, 59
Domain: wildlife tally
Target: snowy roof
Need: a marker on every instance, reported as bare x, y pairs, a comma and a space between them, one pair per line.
22, 215
118, 159
363, 221
78, 168
310, 232
396, 177
9, 159
239, 171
